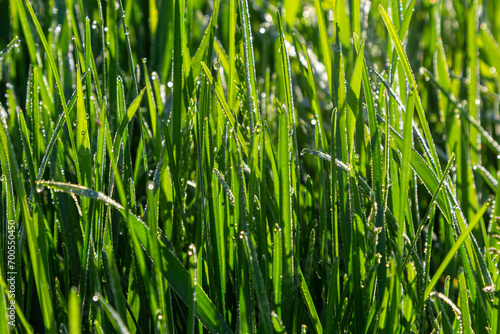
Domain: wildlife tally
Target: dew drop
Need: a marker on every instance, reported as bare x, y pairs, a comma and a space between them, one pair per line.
216, 65
489, 288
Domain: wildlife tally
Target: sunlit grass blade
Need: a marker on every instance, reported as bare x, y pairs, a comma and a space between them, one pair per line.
286, 222
192, 291
18, 311
34, 238
324, 43
74, 312
171, 268
429, 209
220, 97
405, 173
131, 110
447, 259
308, 301
30, 42
249, 66
464, 304
118, 323
58, 84
411, 79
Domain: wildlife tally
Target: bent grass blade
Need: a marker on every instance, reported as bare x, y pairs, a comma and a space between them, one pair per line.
171, 267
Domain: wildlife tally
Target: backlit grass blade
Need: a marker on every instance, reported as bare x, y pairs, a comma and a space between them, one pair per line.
249, 66
74, 312
308, 301
447, 259
171, 268
220, 97
257, 277
464, 304
426, 174
430, 208
177, 77
405, 172
9, 47
82, 136
495, 319
277, 269
287, 87
313, 95
193, 284
30, 42
473, 76
323, 34
411, 79
58, 84
19, 312
39, 263
353, 99
55, 135
118, 323
286, 222
79, 191
131, 110
90, 63
152, 111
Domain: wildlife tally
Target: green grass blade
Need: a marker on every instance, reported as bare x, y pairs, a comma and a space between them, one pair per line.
411, 79
74, 312
308, 301
177, 78
405, 173
447, 259
222, 100
82, 136
192, 292
249, 66
118, 323
34, 238
58, 84
23, 18
464, 304
323, 35
171, 268
286, 218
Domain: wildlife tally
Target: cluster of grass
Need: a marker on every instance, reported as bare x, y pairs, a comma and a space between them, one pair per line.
263, 166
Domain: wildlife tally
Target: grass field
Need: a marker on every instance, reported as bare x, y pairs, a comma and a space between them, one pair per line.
250, 166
